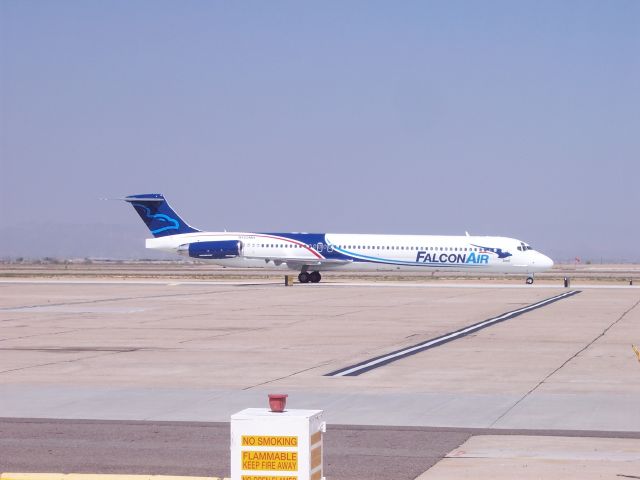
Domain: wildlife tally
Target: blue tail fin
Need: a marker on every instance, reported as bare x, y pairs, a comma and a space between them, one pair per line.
158, 215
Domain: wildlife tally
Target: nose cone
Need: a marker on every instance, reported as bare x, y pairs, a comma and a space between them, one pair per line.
544, 262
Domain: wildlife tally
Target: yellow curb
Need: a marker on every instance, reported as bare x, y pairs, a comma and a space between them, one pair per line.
94, 476
31, 476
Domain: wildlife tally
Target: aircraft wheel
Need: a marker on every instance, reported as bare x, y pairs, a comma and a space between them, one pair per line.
315, 277
303, 277
529, 280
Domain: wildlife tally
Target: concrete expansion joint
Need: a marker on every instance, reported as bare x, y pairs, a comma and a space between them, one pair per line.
95, 476
566, 362
320, 365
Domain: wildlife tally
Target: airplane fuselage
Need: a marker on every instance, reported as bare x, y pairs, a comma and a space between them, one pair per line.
309, 251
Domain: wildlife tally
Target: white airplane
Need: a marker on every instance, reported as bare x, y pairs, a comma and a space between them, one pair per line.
311, 253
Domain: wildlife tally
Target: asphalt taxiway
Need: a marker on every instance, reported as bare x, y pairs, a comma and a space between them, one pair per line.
182, 351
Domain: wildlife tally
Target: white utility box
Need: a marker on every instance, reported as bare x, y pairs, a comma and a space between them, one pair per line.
266, 445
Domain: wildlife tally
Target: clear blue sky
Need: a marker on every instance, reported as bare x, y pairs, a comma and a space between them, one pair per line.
509, 118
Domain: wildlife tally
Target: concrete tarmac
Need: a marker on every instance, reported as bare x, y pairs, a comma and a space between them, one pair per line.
197, 352
535, 457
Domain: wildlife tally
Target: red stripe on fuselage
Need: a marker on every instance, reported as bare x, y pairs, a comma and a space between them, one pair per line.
304, 245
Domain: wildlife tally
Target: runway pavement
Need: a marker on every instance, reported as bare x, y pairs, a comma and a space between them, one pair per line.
202, 449
197, 352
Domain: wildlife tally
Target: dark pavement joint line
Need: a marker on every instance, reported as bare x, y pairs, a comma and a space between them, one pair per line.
106, 300
72, 360
286, 376
387, 358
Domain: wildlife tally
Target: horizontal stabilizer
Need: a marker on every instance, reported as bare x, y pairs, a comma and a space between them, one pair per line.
141, 199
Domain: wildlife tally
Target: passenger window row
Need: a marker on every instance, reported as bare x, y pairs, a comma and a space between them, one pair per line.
377, 247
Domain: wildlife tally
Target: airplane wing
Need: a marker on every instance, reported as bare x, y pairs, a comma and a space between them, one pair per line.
300, 263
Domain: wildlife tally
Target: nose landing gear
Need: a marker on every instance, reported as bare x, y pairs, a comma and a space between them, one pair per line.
530, 280
306, 277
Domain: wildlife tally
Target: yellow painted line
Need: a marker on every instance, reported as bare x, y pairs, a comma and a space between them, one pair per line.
31, 476
94, 476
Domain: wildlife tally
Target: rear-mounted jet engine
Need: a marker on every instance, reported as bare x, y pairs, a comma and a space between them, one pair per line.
212, 250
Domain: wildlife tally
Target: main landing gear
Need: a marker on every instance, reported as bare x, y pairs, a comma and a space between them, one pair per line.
306, 277
530, 280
